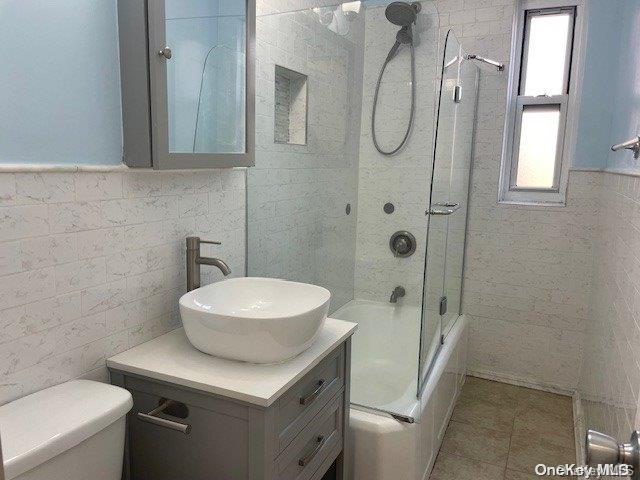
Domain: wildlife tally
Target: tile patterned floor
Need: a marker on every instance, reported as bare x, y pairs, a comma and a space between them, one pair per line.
501, 432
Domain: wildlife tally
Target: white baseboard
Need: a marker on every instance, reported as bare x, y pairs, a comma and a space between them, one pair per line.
512, 380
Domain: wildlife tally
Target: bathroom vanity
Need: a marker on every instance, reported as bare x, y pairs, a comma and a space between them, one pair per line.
199, 417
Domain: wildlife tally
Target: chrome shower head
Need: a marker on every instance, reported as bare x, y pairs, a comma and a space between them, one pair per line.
402, 14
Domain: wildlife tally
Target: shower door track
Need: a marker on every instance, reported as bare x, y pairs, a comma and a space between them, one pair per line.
397, 416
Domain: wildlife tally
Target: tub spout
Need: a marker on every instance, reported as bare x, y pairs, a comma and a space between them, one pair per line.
397, 293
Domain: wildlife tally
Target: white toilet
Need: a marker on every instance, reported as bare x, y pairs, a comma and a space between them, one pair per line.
73, 431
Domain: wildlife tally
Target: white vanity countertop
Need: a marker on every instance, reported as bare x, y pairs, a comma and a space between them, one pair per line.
171, 358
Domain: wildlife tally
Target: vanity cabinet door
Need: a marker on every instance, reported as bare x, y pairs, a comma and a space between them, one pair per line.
215, 448
187, 77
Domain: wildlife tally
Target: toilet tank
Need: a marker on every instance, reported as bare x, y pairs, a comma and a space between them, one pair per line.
73, 431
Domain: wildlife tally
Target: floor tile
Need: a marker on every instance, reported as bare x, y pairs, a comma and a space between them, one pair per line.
482, 413
452, 467
490, 391
477, 443
493, 421
558, 406
527, 451
542, 423
513, 475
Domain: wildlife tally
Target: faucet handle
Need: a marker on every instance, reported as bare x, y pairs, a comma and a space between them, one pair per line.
211, 242
193, 243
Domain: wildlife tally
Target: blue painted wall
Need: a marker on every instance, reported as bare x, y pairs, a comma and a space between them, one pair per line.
610, 107
624, 92
60, 87
601, 64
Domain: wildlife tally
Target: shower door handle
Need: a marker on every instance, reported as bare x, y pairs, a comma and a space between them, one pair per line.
443, 209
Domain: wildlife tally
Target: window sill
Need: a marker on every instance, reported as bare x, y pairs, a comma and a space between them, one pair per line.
532, 203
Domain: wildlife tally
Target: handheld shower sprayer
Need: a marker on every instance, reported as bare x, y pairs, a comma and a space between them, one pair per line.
403, 15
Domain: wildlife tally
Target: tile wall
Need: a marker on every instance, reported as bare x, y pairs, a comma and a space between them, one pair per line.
299, 228
401, 179
610, 376
92, 264
527, 276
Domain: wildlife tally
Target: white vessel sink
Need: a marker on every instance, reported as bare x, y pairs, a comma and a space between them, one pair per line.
258, 320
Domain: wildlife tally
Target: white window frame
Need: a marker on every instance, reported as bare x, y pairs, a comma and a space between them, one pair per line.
569, 106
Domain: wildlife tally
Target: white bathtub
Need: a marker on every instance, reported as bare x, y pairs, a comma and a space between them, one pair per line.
384, 376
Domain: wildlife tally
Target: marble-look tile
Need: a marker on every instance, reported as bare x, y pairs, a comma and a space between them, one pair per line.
74, 217
10, 257
71, 293
103, 297
101, 242
79, 275
23, 221
453, 467
527, 451
98, 186
142, 184
25, 287
7, 189
477, 443
514, 475
42, 252
44, 188
485, 414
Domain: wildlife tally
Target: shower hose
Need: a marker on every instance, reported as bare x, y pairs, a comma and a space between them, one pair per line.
392, 54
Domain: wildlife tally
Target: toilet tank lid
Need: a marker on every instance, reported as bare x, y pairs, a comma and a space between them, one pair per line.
40, 426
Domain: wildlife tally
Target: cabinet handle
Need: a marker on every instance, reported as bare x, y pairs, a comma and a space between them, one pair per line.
304, 461
309, 399
152, 417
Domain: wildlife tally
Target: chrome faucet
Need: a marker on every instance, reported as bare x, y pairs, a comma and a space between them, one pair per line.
397, 293
194, 260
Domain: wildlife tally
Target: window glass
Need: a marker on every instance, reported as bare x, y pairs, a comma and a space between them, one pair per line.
545, 58
538, 146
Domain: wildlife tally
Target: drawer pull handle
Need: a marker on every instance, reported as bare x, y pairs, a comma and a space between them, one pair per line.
306, 460
152, 417
309, 399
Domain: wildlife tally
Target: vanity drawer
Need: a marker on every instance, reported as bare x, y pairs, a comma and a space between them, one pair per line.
306, 398
320, 439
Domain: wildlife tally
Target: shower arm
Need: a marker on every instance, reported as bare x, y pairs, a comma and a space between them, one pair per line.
498, 65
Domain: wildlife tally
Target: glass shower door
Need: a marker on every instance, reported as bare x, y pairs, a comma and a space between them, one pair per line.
435, 261
459, 190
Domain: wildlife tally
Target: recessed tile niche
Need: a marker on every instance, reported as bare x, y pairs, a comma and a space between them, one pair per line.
290, 110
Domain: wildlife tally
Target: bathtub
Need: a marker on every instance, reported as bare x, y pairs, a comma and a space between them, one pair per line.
401, 445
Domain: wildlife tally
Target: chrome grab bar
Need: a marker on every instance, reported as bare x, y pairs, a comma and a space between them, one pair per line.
443, 209
633, 144
304, 461
152, 418
313, 395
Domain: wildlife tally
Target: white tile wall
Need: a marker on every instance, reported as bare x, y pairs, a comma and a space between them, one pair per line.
93, 263
527, 276
298, 228
610, 375
402, 179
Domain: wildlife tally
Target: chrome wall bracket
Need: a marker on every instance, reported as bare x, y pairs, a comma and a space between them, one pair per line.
499, 66
602, 449
633, 144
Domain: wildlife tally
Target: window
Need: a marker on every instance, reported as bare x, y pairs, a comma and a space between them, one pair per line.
541, 103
